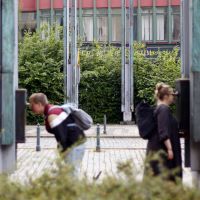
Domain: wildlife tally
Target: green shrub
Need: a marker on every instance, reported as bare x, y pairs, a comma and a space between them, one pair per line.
41, 70
100, 85
164, 66
40, 66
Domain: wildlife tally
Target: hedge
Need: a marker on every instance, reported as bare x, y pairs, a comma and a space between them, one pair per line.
41, 70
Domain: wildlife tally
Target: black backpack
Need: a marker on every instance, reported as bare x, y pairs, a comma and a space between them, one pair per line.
145, 119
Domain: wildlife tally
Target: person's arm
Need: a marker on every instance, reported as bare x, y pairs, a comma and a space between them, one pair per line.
163, 119
56, 124
169, 149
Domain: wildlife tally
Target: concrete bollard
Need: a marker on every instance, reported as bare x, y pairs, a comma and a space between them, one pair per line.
104, 124
38, 148
98, 148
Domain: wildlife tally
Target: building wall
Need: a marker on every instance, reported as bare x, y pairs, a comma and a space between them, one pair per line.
155, 21
30, 5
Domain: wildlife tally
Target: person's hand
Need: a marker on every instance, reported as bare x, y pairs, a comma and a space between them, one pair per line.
170, 154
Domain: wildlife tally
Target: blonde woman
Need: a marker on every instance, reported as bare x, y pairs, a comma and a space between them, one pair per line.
166, 138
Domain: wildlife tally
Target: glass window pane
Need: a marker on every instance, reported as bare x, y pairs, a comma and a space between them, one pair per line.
116, 28
161, 21
176, 27
116, 11
45, 18
102, 11
58, 18
88, 29
161, 10
87, 11
27, 22
176, 9
45, 21
147, 10
45, 13
102, 28
135, 28
147, 24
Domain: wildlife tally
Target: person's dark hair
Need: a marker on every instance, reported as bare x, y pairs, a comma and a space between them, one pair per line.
38, 98
162, 90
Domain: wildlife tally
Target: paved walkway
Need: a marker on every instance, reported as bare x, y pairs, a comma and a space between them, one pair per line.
121, 143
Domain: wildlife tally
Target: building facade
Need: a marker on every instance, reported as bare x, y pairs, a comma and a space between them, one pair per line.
156, 22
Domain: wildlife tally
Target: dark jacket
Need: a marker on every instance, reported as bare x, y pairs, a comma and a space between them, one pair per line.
167, 128
66, 132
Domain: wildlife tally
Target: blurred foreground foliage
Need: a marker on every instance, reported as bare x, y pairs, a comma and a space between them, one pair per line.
59, 184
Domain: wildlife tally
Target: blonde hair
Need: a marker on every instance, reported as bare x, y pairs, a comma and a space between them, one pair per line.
162, 90
38, 98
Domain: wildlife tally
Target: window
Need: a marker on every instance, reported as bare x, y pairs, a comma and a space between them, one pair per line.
58, 18
176, 23
45, 18
116, 25
88, 25
27, 22
116, 28
45, 22
147, 24
102, 25
135, 25
161, 20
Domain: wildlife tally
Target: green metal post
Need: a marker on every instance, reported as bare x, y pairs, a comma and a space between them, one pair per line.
131, 39
123, 52
52, 13
74, 53
38, 13
154, 22
1, 64
94, 20
169, 22
185, 33
66, 43
109, 22
194, 47
139, 22
80, 19
9, 75
8, 68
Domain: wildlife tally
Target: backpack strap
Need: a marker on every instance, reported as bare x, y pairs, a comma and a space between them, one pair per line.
61, 115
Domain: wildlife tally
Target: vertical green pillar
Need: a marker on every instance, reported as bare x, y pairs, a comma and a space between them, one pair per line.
131, 66
169, 22
196, 68
123, 53
65, 44
52, 13
154, 22
9, 83
94, 20
80, 19
195, 89
109, 22
8, 71
0, 65
139, 22
38, 13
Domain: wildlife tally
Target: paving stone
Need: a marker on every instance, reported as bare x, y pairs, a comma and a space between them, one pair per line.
32, 164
